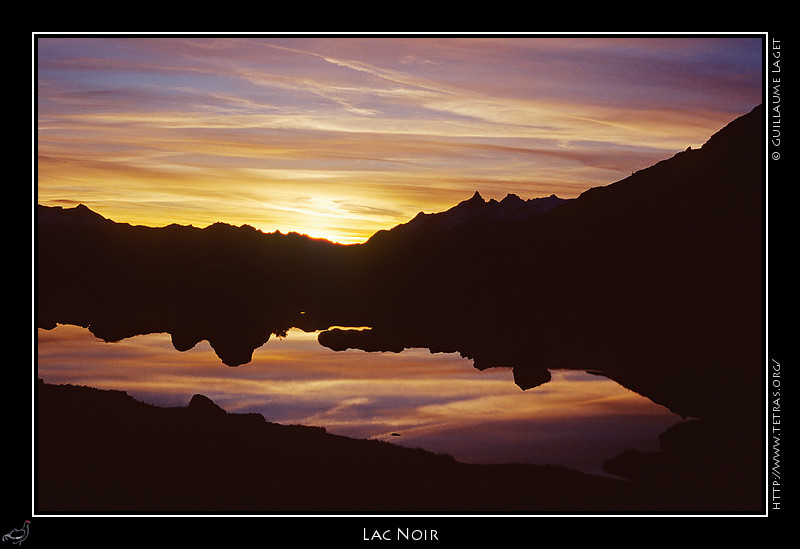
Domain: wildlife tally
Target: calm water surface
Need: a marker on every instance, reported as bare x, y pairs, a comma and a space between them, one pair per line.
439, 402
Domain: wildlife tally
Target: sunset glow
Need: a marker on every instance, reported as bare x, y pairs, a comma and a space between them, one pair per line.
338, 137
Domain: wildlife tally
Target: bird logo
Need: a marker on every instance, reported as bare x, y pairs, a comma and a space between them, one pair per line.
18, 535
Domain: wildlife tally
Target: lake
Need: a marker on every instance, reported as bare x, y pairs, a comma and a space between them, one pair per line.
438, 402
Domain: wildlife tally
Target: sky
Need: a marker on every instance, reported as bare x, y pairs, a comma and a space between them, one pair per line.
340, 136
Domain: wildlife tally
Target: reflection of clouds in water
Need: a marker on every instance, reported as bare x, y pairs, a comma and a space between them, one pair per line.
436, 401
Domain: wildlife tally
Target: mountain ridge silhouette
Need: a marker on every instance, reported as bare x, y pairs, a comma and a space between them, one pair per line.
475, 210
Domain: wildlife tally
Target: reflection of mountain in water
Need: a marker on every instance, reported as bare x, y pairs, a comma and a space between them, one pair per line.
654, 280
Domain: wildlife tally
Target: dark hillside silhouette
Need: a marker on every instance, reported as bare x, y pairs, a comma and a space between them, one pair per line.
104, 452
123, 455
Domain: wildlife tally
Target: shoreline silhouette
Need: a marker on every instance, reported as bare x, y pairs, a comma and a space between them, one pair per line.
103, 452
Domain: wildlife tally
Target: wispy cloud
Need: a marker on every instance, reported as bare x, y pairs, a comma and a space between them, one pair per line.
394, 125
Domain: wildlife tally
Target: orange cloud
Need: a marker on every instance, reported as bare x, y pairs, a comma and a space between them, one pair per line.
240, 129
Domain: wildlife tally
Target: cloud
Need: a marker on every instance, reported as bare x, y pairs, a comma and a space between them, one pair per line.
370, 122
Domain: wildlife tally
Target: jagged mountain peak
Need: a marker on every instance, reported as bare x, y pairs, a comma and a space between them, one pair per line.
475, 202
78, 215
475, 210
